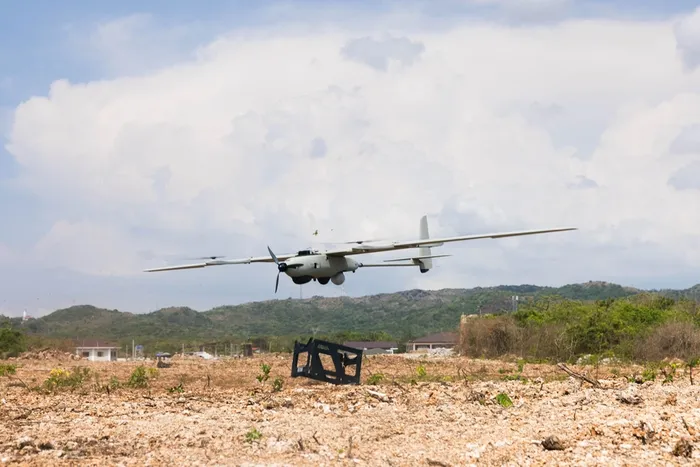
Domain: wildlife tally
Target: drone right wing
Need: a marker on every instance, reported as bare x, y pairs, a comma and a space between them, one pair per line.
221, 262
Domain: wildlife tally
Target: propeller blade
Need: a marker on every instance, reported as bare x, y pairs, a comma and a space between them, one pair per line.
277, 282
274, 258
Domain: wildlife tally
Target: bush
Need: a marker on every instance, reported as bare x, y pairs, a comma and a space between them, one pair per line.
12, 342
64, 379
141, 376
642, 327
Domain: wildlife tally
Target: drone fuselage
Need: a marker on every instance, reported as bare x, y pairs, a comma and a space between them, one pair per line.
308, 266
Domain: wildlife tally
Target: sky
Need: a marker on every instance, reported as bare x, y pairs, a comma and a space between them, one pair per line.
137, 135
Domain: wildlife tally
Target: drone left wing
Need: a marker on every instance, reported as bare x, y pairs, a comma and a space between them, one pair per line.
221, 262
434, 242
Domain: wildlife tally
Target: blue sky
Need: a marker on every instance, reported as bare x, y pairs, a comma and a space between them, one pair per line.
42, 42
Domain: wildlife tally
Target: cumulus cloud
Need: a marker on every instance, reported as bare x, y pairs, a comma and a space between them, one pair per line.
87, 247
527, 11
687, 141
379, 54
134, 44
687, 32
583, 183
265, 137
687, 177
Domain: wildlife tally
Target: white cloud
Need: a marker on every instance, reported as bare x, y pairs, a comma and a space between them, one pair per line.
133, 44
88, 248
270, 135
529, 11
687, 32
379, 54
687, 141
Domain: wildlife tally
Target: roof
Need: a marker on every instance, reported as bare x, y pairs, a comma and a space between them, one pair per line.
439, 338
92, 343
96, 347
372, 345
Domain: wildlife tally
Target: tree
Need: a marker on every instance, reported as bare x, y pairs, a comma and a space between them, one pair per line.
12, 342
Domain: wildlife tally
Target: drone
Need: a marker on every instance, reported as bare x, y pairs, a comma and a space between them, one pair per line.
331, 265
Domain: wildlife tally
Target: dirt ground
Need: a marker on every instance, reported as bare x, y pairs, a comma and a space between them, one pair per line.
422, 411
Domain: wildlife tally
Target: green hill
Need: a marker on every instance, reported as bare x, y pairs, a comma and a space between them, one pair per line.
402, 315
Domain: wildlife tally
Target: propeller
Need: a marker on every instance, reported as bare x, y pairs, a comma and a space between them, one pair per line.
281, 267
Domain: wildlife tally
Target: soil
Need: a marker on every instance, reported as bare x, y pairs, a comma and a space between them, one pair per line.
455, 412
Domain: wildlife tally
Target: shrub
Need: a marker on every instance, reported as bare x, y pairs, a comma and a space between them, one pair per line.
141, 376
647, 327
62, 379
12, 342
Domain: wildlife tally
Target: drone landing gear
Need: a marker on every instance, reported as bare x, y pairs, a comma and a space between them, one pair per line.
341, 356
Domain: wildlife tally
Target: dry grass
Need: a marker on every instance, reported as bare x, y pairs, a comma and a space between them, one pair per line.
423, 410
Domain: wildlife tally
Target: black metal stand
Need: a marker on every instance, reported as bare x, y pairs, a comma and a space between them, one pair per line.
340, 354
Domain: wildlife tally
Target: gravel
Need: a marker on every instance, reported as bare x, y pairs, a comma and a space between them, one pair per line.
447, 417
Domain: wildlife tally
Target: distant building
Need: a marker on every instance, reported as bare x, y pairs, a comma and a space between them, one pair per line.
376, 347
97, 351
440, 340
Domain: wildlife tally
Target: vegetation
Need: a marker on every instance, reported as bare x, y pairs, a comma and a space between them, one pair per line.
141, 376
7, 369
60, 378
397, 316
565, 323
12, 342
642, 327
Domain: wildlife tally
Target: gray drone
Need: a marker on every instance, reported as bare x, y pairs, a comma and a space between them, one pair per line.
331, 265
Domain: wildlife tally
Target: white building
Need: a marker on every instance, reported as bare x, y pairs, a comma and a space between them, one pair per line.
440, 340
97, 352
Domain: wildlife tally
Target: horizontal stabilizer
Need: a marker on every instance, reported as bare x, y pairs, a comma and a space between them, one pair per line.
414, 258
386, 265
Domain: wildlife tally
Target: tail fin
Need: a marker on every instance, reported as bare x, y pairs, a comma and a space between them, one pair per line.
426, 263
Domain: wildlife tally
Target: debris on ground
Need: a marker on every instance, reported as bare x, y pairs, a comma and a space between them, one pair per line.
683, 448
48, 354
552, 443
631, 399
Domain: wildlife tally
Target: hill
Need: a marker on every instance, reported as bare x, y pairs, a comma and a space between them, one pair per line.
402, 315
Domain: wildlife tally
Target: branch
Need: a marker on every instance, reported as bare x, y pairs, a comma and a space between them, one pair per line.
580, 376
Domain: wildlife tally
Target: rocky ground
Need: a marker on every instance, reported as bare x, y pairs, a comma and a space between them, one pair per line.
420, 411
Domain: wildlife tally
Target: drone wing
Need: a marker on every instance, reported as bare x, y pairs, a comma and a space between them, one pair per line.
433, 242
221, 262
